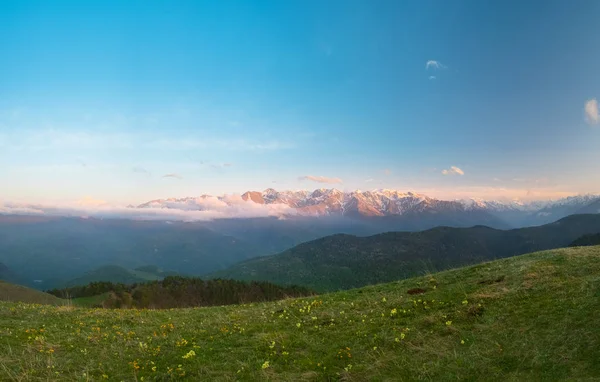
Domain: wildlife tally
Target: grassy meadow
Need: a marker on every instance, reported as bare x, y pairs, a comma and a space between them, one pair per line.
533, 317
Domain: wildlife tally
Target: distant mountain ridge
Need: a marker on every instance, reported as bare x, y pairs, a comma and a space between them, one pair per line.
346, 261
385, 202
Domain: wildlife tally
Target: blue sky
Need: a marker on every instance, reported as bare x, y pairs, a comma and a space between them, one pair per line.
136, 100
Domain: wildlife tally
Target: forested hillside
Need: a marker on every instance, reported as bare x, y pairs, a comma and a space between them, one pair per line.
345, 261
179, 292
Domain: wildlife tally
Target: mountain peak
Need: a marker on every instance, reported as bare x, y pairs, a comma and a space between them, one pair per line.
379, 202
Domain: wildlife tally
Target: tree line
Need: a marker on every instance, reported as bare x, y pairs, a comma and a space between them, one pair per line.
181, 292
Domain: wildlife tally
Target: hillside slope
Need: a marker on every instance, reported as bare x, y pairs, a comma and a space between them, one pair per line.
6, 274
12, 292
344, 261
532, 317
586, 240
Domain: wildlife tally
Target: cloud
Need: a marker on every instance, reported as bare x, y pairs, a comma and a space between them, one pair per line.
386, 171
320, 179
140, 170
369, 180
592, 116
498, 193
177, 176
433, 64
453, 170
221, 165
432, 77
192, 143
192, 209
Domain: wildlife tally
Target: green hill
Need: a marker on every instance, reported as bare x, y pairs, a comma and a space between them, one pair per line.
7, 275
532, 317
12, 292
344, 261
586, 240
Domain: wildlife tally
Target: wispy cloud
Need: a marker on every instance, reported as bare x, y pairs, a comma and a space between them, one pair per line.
320, 179
221, 165
386, 171
432, 77
224, 144
54, 139
453, 170
498, 193
176, 176
369, 180
592, 115
433, 64
140, 170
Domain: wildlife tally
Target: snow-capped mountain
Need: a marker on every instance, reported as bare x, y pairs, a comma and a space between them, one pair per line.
384, 202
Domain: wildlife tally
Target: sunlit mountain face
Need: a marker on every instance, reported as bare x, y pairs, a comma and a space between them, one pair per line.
384, 202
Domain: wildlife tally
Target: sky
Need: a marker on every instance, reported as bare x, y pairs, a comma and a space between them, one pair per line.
123, 102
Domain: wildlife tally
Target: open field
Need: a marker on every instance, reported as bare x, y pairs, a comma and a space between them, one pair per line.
532, 317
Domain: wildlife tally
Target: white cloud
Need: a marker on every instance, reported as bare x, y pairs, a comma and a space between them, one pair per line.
433, 64
432, 77
198, 209
592, 115
176, 176
320, 179
453, 170
369, 180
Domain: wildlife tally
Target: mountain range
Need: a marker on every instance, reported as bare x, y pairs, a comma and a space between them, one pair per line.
46, 251
385, 202
345, 261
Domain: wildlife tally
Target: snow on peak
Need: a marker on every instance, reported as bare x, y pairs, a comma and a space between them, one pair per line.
377, 202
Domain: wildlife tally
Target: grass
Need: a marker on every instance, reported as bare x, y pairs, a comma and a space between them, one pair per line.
532, 317
90, 301
11, 292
